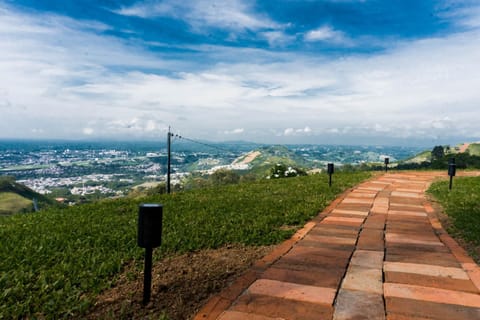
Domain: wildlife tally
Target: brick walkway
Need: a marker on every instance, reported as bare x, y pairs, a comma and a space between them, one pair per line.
377, 252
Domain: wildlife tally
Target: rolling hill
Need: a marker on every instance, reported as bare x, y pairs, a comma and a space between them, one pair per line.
15, 197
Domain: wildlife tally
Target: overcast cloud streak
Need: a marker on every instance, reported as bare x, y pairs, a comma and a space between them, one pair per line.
263, 79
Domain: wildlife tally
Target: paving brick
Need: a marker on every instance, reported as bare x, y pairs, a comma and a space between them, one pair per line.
357, 200
312, 243
417, 309
363, 194
436, 295
367, 259
426, 269
292, 262
332, 239
293, 291
319, 265
396, 316
342, 221
412, 239
361, 213
332, 231
411, 207
418, 247
282, 308
430, 281
358, 305
407, 213
421, 257
375, 221
406, 201
324, 252
371, 239
363, 279
321, 277
235, 315
406, 194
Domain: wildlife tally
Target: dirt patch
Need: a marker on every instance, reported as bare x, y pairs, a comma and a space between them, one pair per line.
464, 147
181, 285
249, 158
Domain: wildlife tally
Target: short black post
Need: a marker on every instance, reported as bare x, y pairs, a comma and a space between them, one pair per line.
387, 161
147, 276
330, 169
452, 170
149, 236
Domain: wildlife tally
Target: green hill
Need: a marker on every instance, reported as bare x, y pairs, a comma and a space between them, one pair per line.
419, 158
271, 155
15, 197
474, 149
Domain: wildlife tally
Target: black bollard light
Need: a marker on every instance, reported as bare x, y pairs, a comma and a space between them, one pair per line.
452, 170
387, 161
149, 236
330, 170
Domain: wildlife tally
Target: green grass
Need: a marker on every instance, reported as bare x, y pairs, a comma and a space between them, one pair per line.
53, 263
12, 203
462, 205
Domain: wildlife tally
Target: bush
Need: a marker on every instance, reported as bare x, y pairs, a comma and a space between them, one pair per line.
280, 170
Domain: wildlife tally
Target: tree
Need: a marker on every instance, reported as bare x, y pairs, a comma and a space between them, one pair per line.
224, 177
438, 153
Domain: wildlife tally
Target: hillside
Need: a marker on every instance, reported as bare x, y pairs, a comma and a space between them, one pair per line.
15, 197
266, 157
474, 149
463, 152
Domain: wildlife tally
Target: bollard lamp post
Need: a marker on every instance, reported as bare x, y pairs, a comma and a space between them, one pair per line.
149, 236
330, 170
387, 161
452, 170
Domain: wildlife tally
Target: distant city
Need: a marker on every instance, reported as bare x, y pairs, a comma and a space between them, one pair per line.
114, 168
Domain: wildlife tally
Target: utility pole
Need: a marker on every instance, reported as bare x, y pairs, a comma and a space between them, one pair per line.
169, 156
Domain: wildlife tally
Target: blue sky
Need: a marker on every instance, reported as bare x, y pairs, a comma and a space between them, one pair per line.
286, 71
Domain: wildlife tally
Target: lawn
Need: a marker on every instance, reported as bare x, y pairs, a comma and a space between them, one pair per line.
462, 205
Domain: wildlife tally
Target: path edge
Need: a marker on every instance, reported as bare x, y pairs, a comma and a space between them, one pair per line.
219, 302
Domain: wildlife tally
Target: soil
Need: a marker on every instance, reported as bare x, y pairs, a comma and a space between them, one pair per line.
181, 285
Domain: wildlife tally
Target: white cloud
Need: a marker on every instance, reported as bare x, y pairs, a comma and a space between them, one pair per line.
296, 132
234, 131
231, 15
88, 131
328, 34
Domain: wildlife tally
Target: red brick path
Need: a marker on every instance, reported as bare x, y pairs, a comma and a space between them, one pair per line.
377, 252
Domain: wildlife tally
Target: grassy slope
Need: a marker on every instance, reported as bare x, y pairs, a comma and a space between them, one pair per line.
462, 205
474, 149
55, 262
12, 203
419, 158
15, 197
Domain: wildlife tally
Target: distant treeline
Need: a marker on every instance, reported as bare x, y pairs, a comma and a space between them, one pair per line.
441, 157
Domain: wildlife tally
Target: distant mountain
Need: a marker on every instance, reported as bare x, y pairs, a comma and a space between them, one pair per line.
462, 150
264, 158
15, 197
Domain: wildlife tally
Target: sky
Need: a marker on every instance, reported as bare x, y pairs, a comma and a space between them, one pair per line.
397, 72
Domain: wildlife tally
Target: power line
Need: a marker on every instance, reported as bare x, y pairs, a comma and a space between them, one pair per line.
201, 143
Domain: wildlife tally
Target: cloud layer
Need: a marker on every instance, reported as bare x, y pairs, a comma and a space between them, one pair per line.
70, 78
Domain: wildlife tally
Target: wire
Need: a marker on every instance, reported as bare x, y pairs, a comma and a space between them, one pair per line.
202, 143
